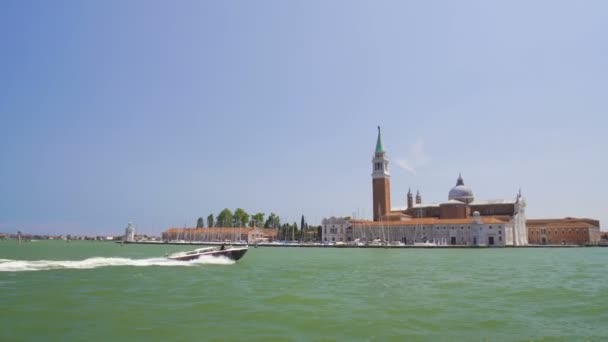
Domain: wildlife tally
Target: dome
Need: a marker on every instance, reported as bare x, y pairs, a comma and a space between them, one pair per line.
461, 192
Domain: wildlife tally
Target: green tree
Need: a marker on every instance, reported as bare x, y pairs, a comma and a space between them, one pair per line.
272, 221
210, 222
241, 218
276, 222
200, 223
284, 231
225, 218
257, 220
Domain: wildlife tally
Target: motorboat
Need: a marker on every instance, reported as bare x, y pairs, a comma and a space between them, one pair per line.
234, 253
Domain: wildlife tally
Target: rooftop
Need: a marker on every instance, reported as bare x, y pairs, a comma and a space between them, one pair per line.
429, 221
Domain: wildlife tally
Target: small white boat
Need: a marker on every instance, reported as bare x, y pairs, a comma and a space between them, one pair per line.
425, 244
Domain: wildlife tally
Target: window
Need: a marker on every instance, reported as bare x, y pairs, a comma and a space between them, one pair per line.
499, 232
500, 238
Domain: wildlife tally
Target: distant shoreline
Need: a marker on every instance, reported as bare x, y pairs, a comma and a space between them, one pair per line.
346, 246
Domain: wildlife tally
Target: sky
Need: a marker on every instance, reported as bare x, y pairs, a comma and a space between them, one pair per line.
158, 112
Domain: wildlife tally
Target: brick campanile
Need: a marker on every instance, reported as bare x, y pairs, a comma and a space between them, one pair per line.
381, 184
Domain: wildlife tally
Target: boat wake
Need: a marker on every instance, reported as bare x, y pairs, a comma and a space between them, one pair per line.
7, 265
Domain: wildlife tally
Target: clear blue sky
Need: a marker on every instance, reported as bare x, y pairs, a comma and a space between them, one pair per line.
160, 111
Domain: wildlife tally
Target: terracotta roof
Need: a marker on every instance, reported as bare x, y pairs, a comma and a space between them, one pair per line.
567, 222
429, 221
219, 230
494, 201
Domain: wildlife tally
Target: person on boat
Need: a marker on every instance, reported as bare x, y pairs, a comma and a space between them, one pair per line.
222, 247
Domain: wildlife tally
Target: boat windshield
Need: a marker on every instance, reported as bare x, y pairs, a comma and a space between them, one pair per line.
206, 249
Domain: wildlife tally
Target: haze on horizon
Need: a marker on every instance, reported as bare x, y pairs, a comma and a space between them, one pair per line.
158, 112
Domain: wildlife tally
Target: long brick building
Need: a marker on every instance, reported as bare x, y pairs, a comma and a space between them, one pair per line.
566, 231
220, 234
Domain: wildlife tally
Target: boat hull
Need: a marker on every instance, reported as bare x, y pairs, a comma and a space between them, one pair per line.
233, 254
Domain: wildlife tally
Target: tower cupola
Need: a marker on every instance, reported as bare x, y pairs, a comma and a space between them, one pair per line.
461, 192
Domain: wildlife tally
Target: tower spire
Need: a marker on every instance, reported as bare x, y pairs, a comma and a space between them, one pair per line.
379, 147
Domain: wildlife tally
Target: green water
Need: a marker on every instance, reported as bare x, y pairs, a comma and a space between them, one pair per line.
307, 294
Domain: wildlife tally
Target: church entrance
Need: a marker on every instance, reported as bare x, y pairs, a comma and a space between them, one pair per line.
490, 240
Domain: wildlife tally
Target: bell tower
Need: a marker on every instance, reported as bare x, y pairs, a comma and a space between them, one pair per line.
380, 181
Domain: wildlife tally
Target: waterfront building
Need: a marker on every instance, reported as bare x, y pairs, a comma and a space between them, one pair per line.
334, 229
476, 230
565, 231
220, 234
130, 232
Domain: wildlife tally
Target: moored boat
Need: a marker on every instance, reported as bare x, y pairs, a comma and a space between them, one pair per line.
425, 244
234, 253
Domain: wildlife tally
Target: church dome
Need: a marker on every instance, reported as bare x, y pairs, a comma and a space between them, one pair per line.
461, 192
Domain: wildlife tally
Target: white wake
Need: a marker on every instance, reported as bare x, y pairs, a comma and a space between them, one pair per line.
7, 265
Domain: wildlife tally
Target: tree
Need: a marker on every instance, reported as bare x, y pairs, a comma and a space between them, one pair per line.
302, 223
257, 220
241, 218
273, 221
210, 221
224, 219
200, 223
276, 221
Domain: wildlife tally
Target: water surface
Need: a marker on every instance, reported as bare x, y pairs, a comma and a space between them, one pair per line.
52, 290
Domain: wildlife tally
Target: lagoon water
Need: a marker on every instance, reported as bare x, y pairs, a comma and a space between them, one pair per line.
85, 291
